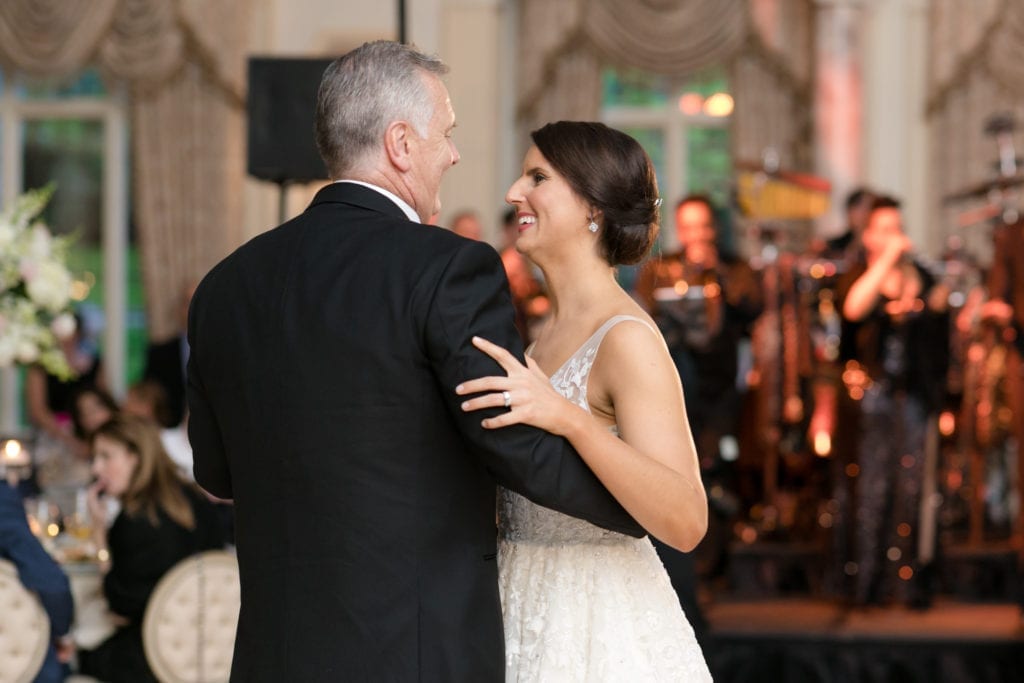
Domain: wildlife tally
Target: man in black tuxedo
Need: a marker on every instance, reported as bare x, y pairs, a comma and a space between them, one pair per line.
325, 356
166, 362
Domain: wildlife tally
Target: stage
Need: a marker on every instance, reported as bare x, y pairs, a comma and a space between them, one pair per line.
805, 640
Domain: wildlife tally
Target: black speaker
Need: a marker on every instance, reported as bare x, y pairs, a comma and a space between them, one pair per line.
281, 108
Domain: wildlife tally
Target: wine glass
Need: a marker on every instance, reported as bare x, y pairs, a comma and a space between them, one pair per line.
79, 523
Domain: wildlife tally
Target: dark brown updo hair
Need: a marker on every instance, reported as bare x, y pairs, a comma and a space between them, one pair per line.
610, 171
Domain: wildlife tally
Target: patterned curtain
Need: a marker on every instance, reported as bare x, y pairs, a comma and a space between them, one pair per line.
184, 61
976, 71
766, 45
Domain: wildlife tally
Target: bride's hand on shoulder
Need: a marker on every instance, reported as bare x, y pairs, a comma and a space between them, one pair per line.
526, 391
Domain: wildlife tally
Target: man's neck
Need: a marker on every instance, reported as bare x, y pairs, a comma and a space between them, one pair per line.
389, 191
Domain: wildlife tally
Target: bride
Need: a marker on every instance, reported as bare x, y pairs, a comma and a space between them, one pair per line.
581, 603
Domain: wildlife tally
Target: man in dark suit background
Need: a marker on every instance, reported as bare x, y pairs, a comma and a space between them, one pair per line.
324, 360
166, 362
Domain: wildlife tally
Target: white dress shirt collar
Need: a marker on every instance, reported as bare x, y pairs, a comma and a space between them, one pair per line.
406, 209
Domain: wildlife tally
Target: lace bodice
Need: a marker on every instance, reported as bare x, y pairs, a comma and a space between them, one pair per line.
581, 604
521, 520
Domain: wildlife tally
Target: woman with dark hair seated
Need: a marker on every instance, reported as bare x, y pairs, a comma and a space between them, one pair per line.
91, 407
163, 520
49, 399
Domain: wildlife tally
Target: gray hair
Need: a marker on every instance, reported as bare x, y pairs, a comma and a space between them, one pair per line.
363, 92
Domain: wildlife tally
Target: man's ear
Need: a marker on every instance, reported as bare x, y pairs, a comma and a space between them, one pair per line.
398, 145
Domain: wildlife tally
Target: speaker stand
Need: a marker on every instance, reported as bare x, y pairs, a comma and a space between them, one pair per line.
282, 201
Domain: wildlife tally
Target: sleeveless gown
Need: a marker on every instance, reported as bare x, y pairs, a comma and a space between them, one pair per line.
581, 603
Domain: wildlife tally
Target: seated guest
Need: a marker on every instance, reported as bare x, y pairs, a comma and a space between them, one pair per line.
90, 408
60, 458
166, 361
148, 399
163, 520
40, 574
467, 224
48, 399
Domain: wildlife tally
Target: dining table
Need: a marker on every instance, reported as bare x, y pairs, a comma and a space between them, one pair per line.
93, 622
71, 545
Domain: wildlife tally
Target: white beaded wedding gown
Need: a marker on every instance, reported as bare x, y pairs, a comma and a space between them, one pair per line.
581, 603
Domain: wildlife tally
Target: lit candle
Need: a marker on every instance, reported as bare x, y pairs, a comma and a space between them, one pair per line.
14, 455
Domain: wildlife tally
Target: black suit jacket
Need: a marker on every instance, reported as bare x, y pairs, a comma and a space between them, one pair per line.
325, 354
164, 366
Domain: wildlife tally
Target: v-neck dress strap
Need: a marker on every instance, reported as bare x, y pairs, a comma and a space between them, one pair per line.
572, 378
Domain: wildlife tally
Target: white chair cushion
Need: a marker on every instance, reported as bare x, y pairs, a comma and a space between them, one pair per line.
24, 629
189, 628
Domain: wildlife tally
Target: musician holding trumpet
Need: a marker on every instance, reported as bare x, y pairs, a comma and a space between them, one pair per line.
704, 302
895, 352
1005, 308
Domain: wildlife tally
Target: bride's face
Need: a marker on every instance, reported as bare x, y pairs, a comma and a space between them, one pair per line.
551, 218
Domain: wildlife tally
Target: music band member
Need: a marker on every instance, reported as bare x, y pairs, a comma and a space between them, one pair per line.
1005, 308
894, 347
704, 301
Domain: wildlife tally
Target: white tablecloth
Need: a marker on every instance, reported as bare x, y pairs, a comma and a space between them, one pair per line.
93, 622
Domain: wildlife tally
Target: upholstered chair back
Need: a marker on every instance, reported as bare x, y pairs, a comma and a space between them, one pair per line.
24, 629
189, 627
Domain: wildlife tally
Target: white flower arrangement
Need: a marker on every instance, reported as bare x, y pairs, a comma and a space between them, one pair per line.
35, 287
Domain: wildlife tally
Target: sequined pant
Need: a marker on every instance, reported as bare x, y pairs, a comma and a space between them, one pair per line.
878, 493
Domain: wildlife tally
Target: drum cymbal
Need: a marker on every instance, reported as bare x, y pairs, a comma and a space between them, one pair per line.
968, 218
982, 189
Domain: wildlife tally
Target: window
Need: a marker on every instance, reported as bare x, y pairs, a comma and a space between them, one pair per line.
74, 133
683, 126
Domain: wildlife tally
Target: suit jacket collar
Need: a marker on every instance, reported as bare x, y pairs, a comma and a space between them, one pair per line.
358, 195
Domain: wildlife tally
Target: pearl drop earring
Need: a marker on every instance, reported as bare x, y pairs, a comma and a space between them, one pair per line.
593, 226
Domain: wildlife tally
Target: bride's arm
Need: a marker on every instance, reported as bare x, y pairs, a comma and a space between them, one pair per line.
653, 469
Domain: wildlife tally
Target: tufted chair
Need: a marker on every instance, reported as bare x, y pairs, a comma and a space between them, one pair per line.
24, 629
189, 628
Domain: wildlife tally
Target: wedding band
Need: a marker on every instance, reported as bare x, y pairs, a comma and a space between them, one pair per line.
508, 399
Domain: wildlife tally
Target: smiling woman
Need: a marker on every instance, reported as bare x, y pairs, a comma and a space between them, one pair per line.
587, 200
568, 180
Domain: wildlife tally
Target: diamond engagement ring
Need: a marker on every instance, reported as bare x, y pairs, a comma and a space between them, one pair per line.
508, 399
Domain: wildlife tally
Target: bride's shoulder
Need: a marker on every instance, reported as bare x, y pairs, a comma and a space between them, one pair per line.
628, 314
632, 335
633, 361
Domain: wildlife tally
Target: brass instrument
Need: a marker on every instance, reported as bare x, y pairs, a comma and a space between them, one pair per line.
986, 417
781, 349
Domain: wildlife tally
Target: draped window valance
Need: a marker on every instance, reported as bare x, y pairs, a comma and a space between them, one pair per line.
766, 44
142, 42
